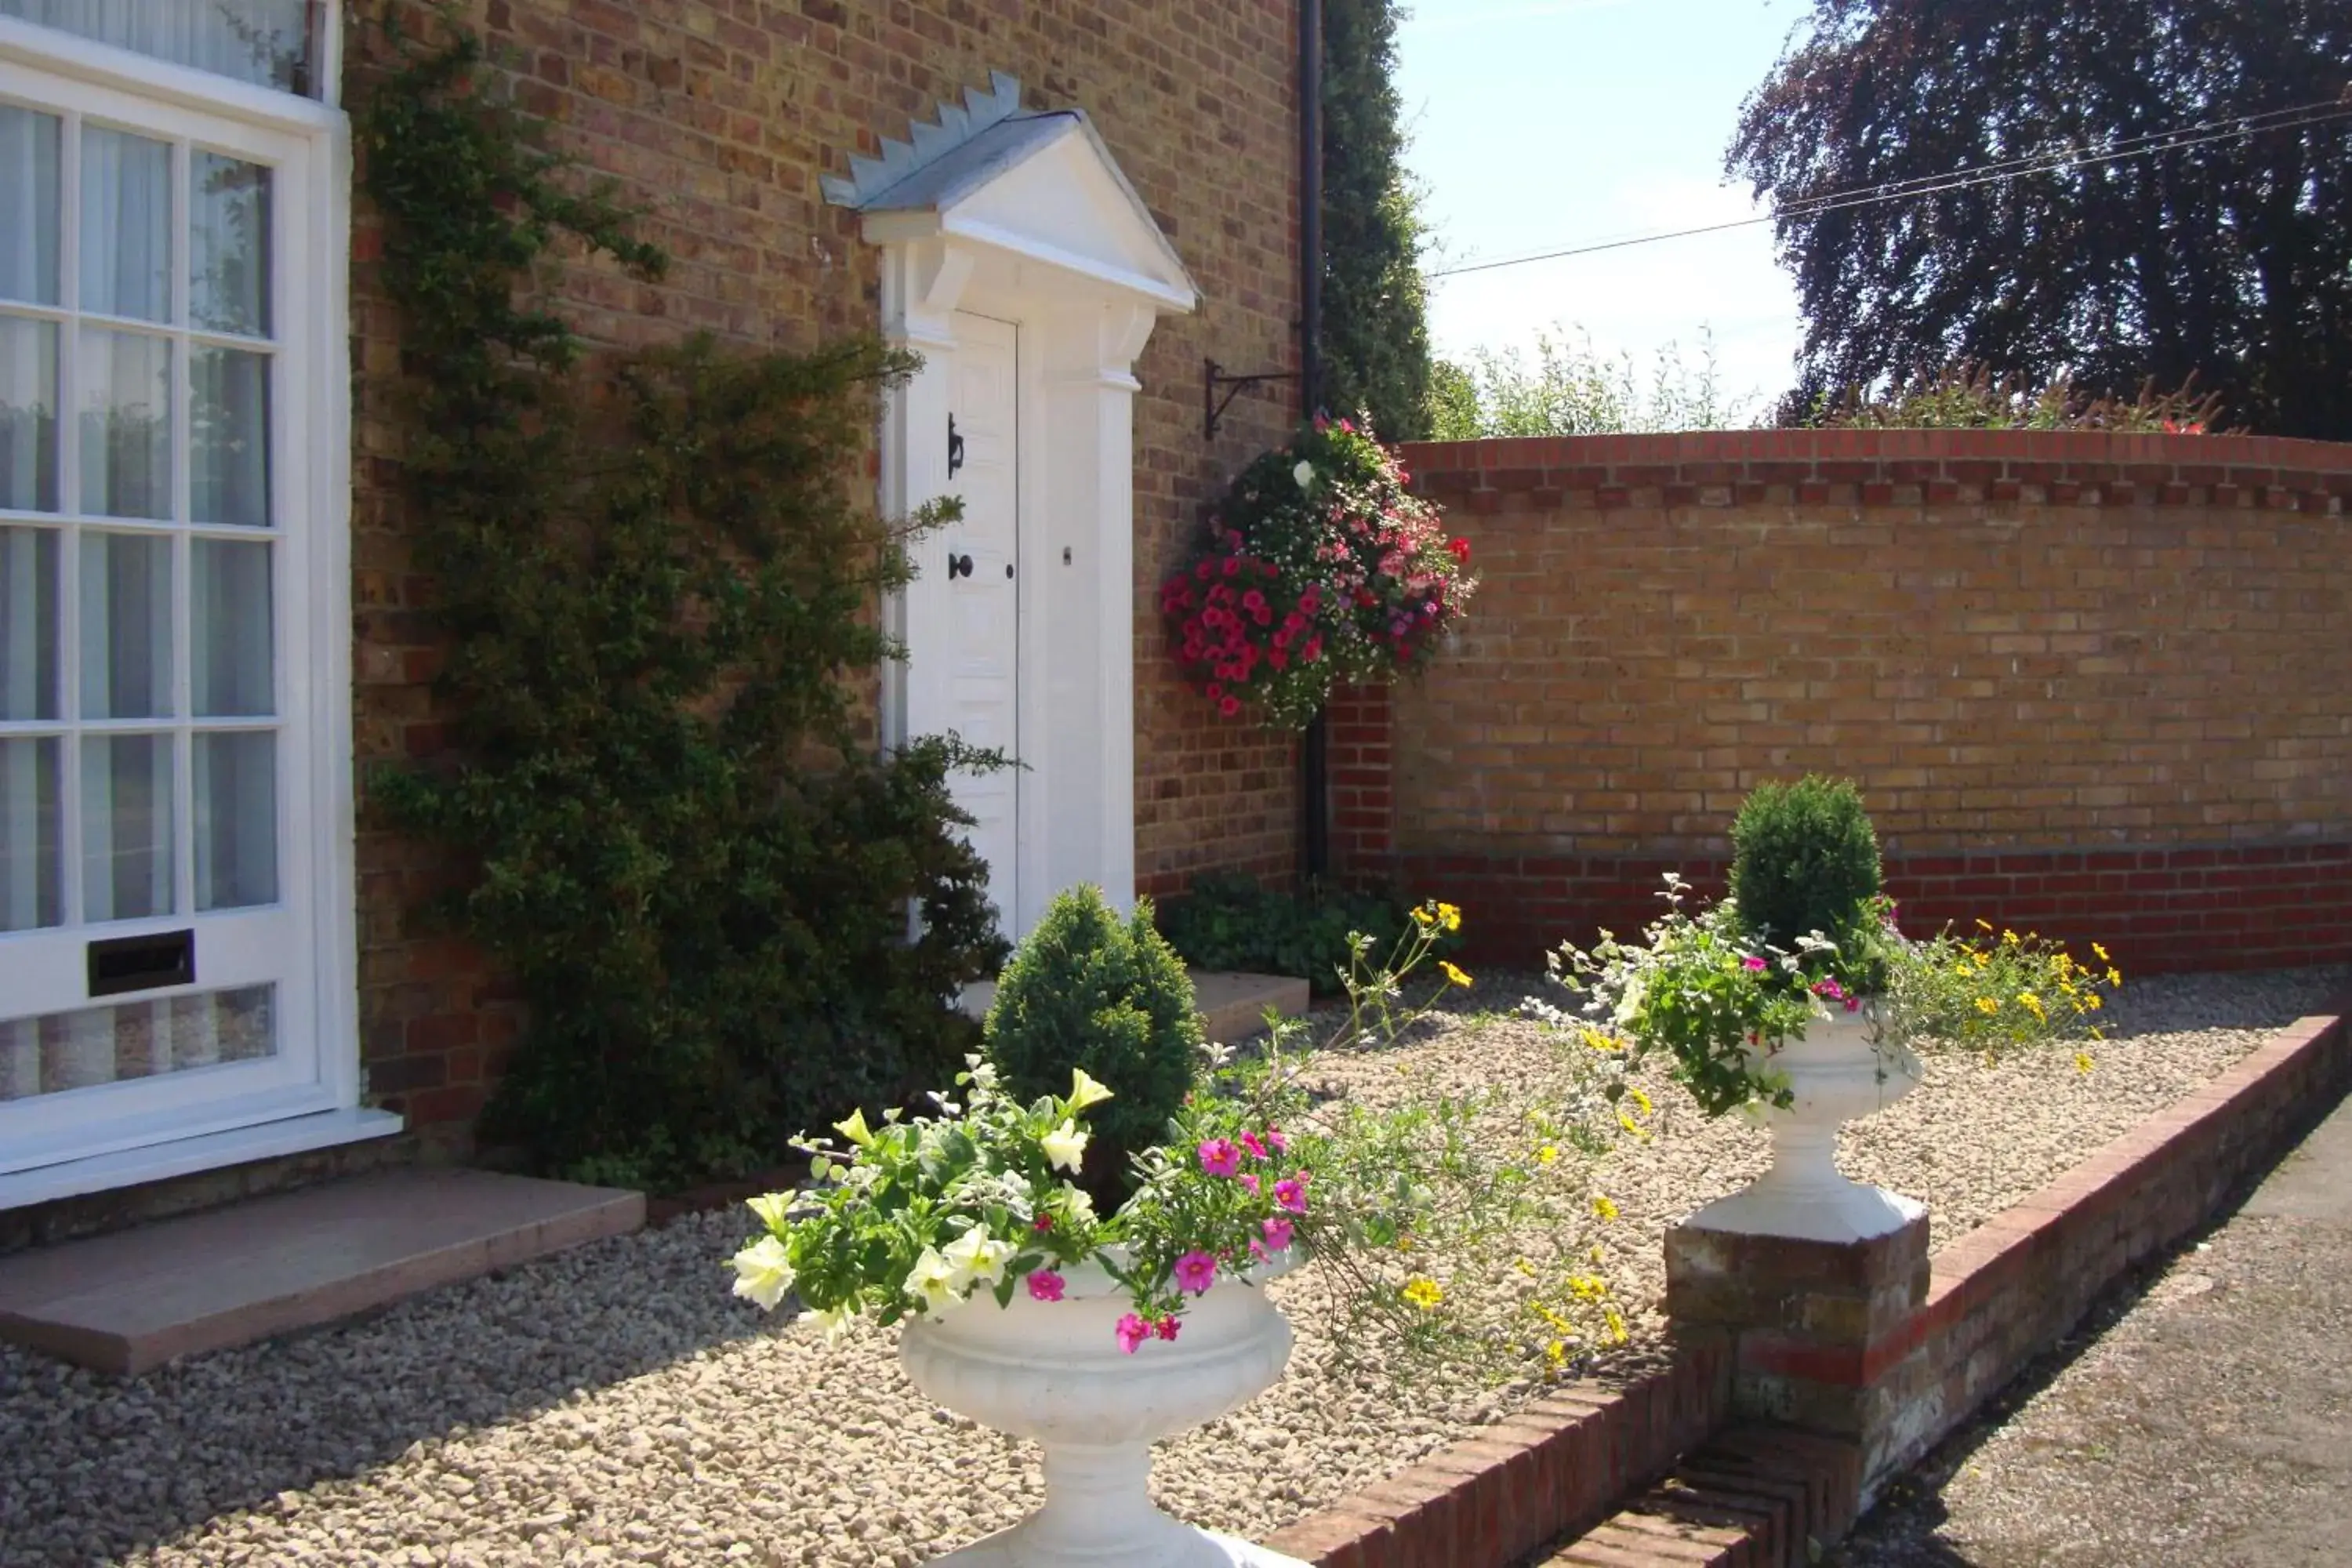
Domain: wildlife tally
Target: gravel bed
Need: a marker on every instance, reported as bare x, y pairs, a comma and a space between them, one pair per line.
614, 1403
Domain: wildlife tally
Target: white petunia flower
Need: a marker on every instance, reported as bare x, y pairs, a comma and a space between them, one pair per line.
932, 1281
977, 1258
1086, 1089
1303, 473
770, 1207
835, 1321
1066, 1146
762, 1273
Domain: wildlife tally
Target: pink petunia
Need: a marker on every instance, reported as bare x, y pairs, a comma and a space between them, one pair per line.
1277, 1233
1275, 1141
1166, 1328
1132, 1331
1291, 1194
1195, 1271
1046, 1285
1249, 1140
1043, 1222
1218, 1157
1751, 962
1248, 1181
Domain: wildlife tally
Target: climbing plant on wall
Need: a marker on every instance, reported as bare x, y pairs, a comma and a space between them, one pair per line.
657, 598
1375, 335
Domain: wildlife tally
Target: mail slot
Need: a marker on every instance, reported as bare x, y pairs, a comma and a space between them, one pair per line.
124, 964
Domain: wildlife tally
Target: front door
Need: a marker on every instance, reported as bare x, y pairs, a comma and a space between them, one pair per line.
970, 688
156, 925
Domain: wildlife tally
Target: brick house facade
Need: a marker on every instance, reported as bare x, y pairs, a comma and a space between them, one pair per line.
721, 120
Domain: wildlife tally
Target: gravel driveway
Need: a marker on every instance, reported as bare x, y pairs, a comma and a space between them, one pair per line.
614, 1403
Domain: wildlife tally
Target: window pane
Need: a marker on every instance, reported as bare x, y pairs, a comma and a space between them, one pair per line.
135, 1039
228, 428
126, 224
267, 42
126, 627
126, 424
28, 203
29, 415
30, 856
28, 623
228, 246
126, 826
236, 819
230, 643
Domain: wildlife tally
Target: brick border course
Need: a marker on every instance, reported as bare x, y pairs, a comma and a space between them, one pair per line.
1650, 1473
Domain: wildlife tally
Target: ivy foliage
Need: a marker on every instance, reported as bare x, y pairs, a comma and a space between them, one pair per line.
657, 597
1375, 336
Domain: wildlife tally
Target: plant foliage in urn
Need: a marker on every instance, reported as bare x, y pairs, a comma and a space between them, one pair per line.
1318, 567
1804, 859
1088, 990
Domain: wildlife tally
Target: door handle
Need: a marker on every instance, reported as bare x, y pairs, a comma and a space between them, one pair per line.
957, 566
955, 448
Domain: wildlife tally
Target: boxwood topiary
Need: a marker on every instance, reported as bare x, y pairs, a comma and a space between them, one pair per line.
1086, 989
1805, 858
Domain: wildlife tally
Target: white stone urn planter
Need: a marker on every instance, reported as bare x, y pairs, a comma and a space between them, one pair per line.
1052, 1371
1836, 1074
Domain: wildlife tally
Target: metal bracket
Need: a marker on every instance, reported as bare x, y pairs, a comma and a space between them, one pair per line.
1213, 376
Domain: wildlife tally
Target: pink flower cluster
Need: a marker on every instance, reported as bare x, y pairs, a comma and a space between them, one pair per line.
1134, 1329
1831, 991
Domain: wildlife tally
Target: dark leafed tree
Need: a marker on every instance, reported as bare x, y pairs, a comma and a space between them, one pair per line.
2231, 260
1375, 329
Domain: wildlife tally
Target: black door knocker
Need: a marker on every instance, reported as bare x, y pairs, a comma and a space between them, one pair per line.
957, 566
955, 448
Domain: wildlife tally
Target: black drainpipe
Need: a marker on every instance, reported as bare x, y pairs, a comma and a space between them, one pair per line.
1313, 755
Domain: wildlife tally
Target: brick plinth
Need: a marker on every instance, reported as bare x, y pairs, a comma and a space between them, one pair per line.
1818, 1329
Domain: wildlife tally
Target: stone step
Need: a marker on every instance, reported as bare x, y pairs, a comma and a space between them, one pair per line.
132, 1301
1231, 1005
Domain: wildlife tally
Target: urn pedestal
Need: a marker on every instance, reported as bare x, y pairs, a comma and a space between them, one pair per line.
1052, 1371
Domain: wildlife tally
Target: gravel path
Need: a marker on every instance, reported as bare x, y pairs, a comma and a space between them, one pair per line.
615, 1405
2215, 1393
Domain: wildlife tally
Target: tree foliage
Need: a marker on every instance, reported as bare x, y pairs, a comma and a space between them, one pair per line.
656, 590
1375, 336
2229, 261
1571, 389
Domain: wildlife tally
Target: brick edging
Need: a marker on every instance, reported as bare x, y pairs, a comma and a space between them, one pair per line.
1647, 1472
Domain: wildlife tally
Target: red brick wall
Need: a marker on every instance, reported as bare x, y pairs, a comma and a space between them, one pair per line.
717, 117
2098, 685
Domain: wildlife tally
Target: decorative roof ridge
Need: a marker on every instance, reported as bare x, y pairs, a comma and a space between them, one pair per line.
928, 142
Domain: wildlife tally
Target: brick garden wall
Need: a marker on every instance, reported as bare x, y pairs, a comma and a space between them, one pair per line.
2097, 686
717, 117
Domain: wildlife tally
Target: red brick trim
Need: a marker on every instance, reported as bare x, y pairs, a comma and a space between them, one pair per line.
2154, 907
1890, 467
1553, 1468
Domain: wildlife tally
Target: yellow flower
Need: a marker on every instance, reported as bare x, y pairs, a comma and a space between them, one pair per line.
1984, 925
1523, 1267
1556, 1352
1986, 1005
1629, 1124
2083, 1062
1547, 1154
1423, 1292
1599, 1041
1586, 1287
1616, 1321
2100, 951
1596, 1254
2090, 1000
2032, 1003
1602, 1207
1421, 916
1452, 973
2008, 939
1449, 917
1984, 960
1640, 1098
2114, 980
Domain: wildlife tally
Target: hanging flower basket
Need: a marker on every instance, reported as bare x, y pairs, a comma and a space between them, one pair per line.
1318, 567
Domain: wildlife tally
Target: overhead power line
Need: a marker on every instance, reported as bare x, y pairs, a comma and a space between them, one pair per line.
2180, 137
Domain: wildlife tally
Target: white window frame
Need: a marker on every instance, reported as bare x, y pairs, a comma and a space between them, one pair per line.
312, 429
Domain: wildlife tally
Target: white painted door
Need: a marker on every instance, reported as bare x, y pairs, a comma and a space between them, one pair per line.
156, 926
981, 556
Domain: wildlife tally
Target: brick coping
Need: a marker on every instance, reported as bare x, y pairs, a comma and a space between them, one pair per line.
1649, 1470
1703, 448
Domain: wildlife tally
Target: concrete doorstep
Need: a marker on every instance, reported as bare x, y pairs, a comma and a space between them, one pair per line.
130, 1301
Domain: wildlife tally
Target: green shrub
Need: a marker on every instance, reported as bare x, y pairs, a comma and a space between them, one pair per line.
1088, 989
1226, 922
1804, 859
656, 586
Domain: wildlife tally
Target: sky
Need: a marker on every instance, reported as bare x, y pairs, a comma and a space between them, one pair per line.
1541, 125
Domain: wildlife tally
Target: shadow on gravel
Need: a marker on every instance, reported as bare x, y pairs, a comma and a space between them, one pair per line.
95, 1467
